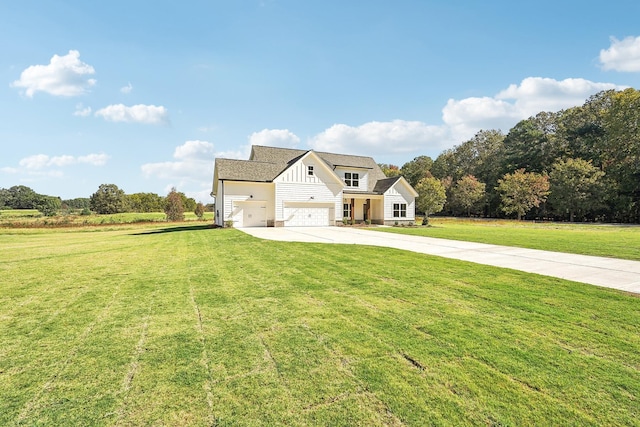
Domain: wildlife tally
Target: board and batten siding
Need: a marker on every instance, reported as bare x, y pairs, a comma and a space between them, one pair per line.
295, 185
391, 196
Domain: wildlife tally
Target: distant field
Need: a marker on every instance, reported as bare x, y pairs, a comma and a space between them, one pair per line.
190, 325
616, 241
33, 218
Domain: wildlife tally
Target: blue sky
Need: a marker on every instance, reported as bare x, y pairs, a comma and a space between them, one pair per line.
146, 94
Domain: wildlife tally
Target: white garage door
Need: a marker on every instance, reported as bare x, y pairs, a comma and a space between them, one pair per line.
252, 214
306, 216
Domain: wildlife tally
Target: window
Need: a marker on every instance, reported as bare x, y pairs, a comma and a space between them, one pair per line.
352, 179
399, 210
310, 170
346, 210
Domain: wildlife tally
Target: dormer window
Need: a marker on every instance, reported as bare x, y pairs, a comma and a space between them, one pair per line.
351, 179
310, 170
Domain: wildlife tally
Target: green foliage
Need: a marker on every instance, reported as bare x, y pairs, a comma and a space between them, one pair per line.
389, 169
20, 197
49, 205
520, 191
468, 193
199, 211
174, 207
145, 202
108, 199
576, 187
417, 169
78, 203
431, 196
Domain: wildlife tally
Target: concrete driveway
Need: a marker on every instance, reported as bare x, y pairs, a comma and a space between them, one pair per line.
607, 272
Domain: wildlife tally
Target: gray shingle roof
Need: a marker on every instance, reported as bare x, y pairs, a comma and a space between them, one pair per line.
266, 163
247, 170
384, 184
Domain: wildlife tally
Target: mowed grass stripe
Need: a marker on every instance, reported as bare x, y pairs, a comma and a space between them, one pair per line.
204, 326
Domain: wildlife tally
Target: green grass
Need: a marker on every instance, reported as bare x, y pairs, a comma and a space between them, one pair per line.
190, 325
615, 241
34, 219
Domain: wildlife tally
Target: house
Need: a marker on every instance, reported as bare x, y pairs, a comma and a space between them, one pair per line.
280, 187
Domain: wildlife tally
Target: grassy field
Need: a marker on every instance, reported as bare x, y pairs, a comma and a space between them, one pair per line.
31, 218
600, 240
189, 325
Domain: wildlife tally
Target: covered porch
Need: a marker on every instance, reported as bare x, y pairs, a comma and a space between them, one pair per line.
360, 207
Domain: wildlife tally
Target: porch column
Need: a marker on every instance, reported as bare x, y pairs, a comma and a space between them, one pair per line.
353, 210
369, 209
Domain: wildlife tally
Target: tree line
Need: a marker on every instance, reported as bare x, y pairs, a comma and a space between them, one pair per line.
108, 199
578, 164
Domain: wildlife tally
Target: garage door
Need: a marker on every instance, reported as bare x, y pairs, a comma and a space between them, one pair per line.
306, 216
252, 214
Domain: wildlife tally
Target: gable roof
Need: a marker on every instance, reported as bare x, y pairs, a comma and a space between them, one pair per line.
266, 163
246, 170
288, 156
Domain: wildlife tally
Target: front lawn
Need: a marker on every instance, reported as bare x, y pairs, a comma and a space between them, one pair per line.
190, 325
615, 241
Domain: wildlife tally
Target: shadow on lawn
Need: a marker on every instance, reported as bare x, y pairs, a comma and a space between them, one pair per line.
175, 229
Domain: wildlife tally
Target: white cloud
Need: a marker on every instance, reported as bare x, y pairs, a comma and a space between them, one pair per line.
194, 150
394, 137
517, 102
461, 119
192, 165
274, 138
126, 89
94, 159
193, 162
63, 76
82, 112
622, 55
42, 161
147, 114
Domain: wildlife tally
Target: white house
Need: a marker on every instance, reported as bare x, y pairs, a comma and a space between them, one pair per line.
287, 187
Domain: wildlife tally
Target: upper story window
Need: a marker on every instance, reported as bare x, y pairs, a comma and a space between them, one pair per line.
310, 170
352, 179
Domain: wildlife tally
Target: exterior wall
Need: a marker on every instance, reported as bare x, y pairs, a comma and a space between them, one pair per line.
363, 178
242, 192
307, 193
395, 195
218, 219
295, 185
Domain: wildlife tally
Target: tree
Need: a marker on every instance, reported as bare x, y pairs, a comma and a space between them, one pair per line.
189, 203
48, 205
417, 169
199, 211
389, 170
576, 187
109, 199
22, 197
78, 203
173, 206
467, 193
533, 144
5, 199
520, 191
431, 197
145, 202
